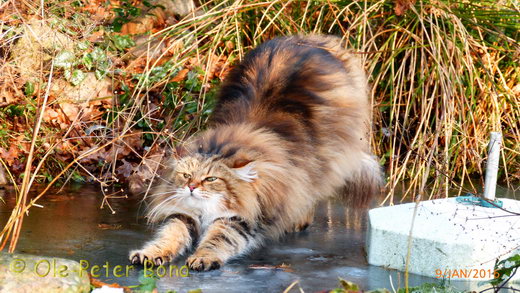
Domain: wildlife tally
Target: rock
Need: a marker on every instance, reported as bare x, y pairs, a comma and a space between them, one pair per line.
144, 46
29, 273
39, 42
448, 237
176, 7
164, 11
89, 89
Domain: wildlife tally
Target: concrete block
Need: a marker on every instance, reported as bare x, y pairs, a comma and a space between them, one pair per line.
447, 236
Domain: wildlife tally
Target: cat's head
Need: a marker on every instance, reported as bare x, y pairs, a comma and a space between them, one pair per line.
203, 185
217, 172
204, 177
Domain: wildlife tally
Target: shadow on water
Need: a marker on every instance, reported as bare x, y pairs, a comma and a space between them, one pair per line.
72, 225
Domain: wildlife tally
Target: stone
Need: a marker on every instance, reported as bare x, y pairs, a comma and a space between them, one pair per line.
30, 273
38, 43
447, 236
163, 12
176, 7
90, 88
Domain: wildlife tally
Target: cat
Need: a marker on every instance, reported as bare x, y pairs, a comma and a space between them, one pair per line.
290, 128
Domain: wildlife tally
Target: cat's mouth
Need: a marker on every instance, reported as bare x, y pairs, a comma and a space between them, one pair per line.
194, 193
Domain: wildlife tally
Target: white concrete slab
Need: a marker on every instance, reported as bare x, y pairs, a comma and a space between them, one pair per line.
461, 241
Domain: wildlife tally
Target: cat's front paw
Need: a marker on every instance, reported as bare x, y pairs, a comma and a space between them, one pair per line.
156, 256
206, 262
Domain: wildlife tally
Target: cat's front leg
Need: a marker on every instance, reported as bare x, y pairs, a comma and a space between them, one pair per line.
173, 238
224, 239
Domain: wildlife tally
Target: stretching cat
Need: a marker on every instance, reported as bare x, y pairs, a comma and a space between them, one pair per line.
290, 128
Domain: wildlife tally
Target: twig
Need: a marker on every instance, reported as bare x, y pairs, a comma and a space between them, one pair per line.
24, 190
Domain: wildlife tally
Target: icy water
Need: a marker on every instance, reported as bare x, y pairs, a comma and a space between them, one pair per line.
72, 225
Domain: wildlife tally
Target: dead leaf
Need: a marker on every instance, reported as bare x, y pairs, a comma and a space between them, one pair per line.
401, 6
93, 111
96, 36
125, 169
71, 110
10, 155
51, 116
219, 67
137, 65
60, 198
98, 284
139, 26
174, 46
90, 89
125, 146
151, 163
109, 226
284, 267
7, 98
516, 90
94, 155
65, 147
136, 183
180, 76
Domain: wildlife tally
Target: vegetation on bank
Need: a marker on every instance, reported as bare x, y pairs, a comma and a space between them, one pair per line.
99, 91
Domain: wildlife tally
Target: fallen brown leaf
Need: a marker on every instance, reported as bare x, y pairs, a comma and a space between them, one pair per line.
58, 198
10, 155
284, 267
180, 76
125, 169
98, 284
136, 183
6, 98
109, 226
401, 6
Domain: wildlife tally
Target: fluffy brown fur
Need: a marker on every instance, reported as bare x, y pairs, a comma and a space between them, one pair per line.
290, 129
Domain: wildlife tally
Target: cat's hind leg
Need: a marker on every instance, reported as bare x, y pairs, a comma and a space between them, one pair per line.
364, 184
173, 238
304, 223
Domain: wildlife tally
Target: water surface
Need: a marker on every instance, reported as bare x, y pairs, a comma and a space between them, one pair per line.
72, 225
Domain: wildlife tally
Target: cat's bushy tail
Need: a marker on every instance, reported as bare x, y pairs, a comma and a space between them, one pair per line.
366, 181
365, 184
351, 61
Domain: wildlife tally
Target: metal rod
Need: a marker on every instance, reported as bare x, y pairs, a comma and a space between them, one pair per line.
490, 184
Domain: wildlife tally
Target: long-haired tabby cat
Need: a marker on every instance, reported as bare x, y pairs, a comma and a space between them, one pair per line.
290, 128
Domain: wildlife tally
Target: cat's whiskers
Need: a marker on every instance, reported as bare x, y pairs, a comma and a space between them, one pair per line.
164, 193
208, 194
165, 180
156, 210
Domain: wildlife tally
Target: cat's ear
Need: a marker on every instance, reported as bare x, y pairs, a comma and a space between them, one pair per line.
179, 152
245, 169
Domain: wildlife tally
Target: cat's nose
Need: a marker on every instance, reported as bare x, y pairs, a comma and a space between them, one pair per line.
192, 186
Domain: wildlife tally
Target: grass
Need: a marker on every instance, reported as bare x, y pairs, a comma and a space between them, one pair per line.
443, 74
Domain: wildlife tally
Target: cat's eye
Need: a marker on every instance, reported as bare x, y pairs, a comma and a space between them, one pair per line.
210, 179
186, 175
